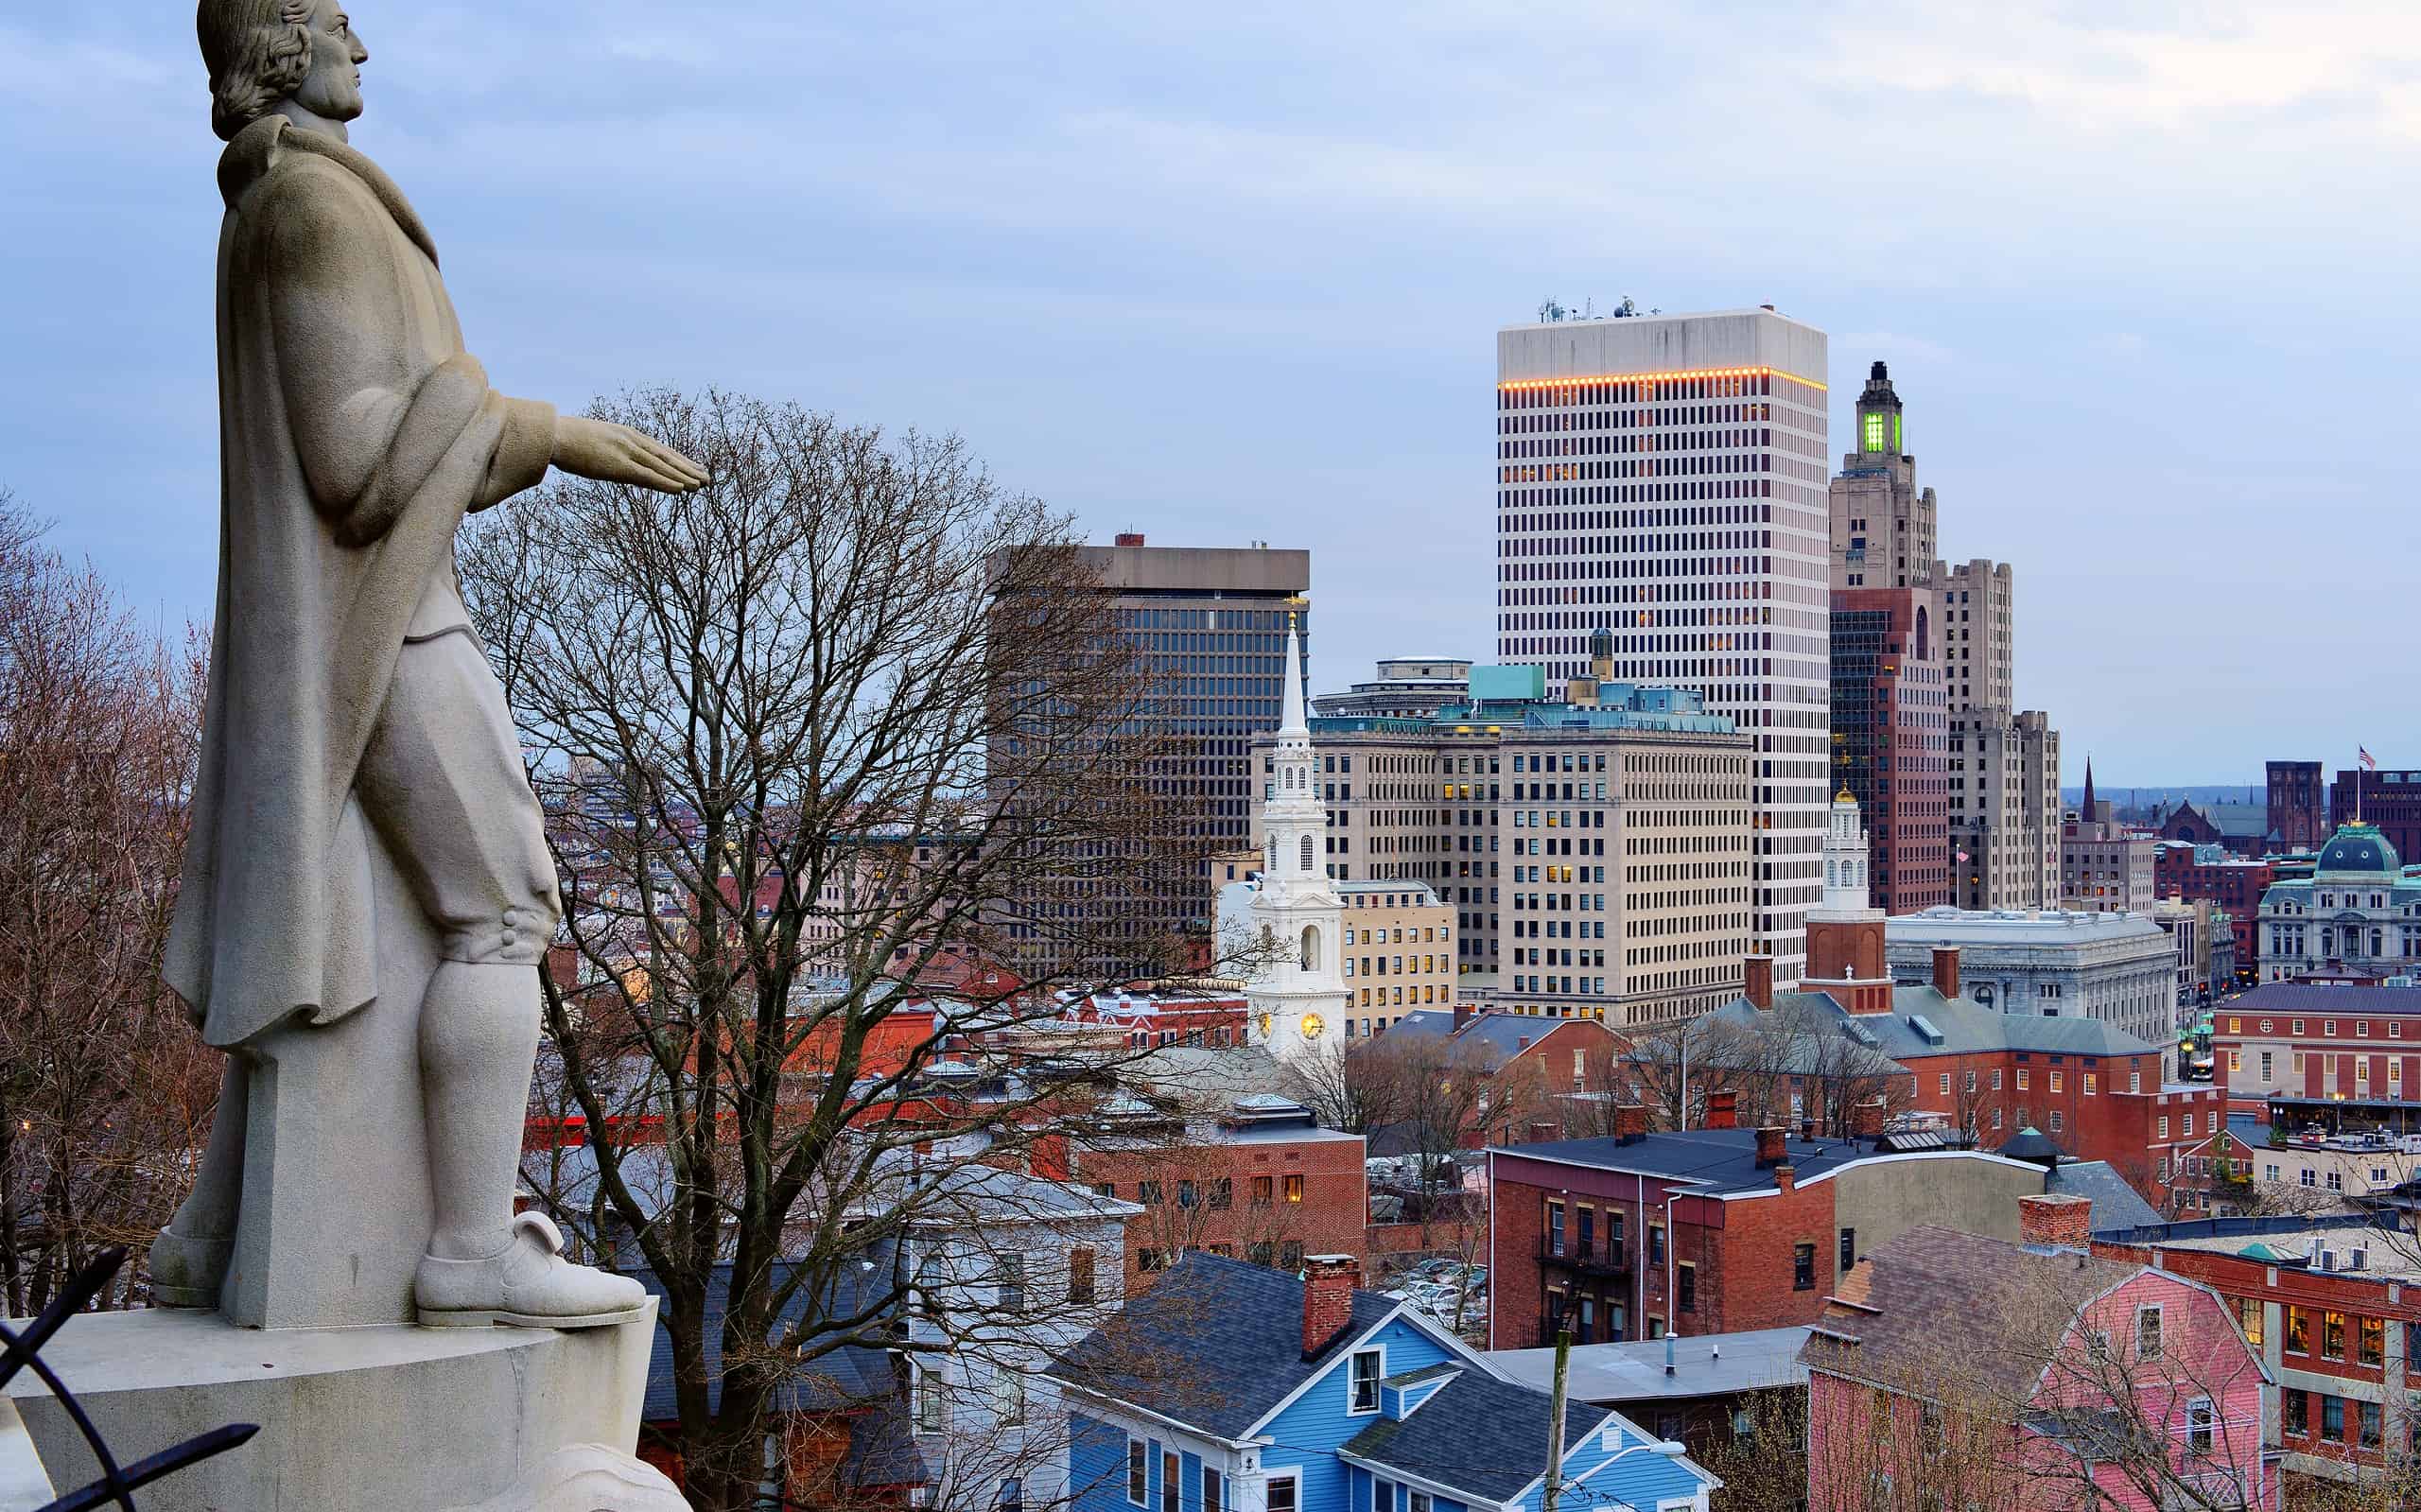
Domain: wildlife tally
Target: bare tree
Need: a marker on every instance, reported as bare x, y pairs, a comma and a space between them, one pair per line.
849, 708
104, 1091
1356, 1089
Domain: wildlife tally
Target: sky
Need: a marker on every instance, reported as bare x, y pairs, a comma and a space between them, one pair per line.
2142, 273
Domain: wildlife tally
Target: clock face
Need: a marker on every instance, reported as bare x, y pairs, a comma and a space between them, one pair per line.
1312, 1026
1268, 1023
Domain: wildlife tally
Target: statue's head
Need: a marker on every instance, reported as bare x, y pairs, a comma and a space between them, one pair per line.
262, 53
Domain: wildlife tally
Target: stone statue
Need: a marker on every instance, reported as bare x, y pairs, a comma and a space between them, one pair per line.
367, 894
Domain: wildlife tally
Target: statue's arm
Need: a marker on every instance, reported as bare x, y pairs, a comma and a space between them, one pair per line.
369, 422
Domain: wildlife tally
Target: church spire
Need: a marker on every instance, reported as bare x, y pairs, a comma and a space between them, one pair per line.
1292, 719
2090, 813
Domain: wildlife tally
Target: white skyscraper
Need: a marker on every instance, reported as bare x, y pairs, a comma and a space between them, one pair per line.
1662, 477
1296, 996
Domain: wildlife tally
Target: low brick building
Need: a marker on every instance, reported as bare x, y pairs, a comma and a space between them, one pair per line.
2352, 1044
1263, 1182
1552, 1075
1724, 1230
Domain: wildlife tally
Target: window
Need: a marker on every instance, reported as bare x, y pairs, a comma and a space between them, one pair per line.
2298, 1331
1294, 1188
933, 1402
1148, 1194
1555, 1228
1849, 1248
1261, 1187
2370, 1341
1656, 1243
2056, 1081
2295, 1407
2332, 1335
1689, 1287
1284, 1495
1383, 1496
2248, 1316
1214, 1490
1008, 1396
1147, 1260
2200, 1422
1418, 1502
2023, 1074
1290, 1255
2147, 1333
2371, 1415
1012, 1495
1171, 1483
2332, 1418
1009, 1284
1803, 1268
1362, 1394
1080, 1274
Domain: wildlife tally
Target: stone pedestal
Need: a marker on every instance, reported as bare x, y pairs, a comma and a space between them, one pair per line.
410, 1419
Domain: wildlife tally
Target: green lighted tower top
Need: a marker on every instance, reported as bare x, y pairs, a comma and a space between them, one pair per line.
1878, 416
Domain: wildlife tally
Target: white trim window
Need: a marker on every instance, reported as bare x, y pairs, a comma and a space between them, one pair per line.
1284, 1491
2148, 1339
1138, 1471
1362, 1381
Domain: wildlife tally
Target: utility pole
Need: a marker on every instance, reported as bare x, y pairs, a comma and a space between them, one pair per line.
1555, 1422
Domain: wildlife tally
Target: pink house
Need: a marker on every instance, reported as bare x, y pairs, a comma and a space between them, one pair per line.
1954, 1370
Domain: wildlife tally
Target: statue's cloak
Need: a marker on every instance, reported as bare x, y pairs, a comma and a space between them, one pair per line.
355, 433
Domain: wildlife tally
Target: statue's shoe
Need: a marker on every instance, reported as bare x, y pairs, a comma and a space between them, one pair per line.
187, 1272
528, 1284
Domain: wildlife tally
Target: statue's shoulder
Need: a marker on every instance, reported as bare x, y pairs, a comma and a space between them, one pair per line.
290, 183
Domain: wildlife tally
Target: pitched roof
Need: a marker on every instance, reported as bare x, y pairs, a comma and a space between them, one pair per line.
1938, 1303
2115, 1202
2305, 998
1476, 1433
1214, 1343
1964, 1027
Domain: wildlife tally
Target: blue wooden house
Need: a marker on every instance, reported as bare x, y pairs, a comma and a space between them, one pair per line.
1233, 1387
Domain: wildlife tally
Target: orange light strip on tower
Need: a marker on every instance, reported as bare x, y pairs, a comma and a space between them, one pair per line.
1673, 377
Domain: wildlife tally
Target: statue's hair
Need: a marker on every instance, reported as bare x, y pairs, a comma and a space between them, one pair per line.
258, 53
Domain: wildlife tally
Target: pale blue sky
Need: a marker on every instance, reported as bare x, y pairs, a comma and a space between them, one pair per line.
2142, 273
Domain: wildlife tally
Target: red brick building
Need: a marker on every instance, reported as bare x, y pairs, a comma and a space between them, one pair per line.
1715, 1230
2231, 883
1539, 1065
1262, 1183
2350, 1046
2332, 1305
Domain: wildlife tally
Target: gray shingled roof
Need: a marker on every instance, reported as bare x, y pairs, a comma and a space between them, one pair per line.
1715, 1160
2115, 1203
1476, 1433
2299, 997
1934, 1301
1965, 1027
1213, 1343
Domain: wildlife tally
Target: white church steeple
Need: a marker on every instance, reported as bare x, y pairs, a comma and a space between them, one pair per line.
1296, 993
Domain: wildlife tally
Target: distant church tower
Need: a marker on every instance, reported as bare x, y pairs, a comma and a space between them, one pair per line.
1845, 935
1296, 996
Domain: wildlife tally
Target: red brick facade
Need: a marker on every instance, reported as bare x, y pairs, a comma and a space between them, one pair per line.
2107, 1107
2233, 885
1296, 1197
1722, 1266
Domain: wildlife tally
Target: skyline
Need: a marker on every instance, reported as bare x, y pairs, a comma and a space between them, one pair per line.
2121, 276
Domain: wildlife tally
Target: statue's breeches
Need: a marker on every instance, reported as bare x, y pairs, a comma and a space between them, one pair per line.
443, 783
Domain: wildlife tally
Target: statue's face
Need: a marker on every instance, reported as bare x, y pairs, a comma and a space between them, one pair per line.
332, 90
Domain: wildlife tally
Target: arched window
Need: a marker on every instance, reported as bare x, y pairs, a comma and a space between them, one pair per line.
1307, 853
1311, 948
1273, 855
1923, 653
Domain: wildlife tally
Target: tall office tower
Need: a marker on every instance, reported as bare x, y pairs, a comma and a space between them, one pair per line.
1662, 477
1890, 741
1882, 525
1979, 663
2296, 796
2005, 813
1214, 622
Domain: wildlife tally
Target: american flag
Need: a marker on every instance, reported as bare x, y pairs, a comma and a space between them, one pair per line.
2370, 762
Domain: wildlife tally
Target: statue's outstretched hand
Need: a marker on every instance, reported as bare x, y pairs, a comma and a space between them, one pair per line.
616, 454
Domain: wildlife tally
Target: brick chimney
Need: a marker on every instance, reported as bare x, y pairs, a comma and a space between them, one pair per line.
1328, 1281
1130, 538
1464, 1014
1757, 979
1723, 1109
1630, 1122
1770, 1152
1866, 1119
1945, 970
1785, 1178
2055, 1219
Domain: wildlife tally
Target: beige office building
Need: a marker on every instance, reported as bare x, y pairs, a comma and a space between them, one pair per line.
1598, 855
